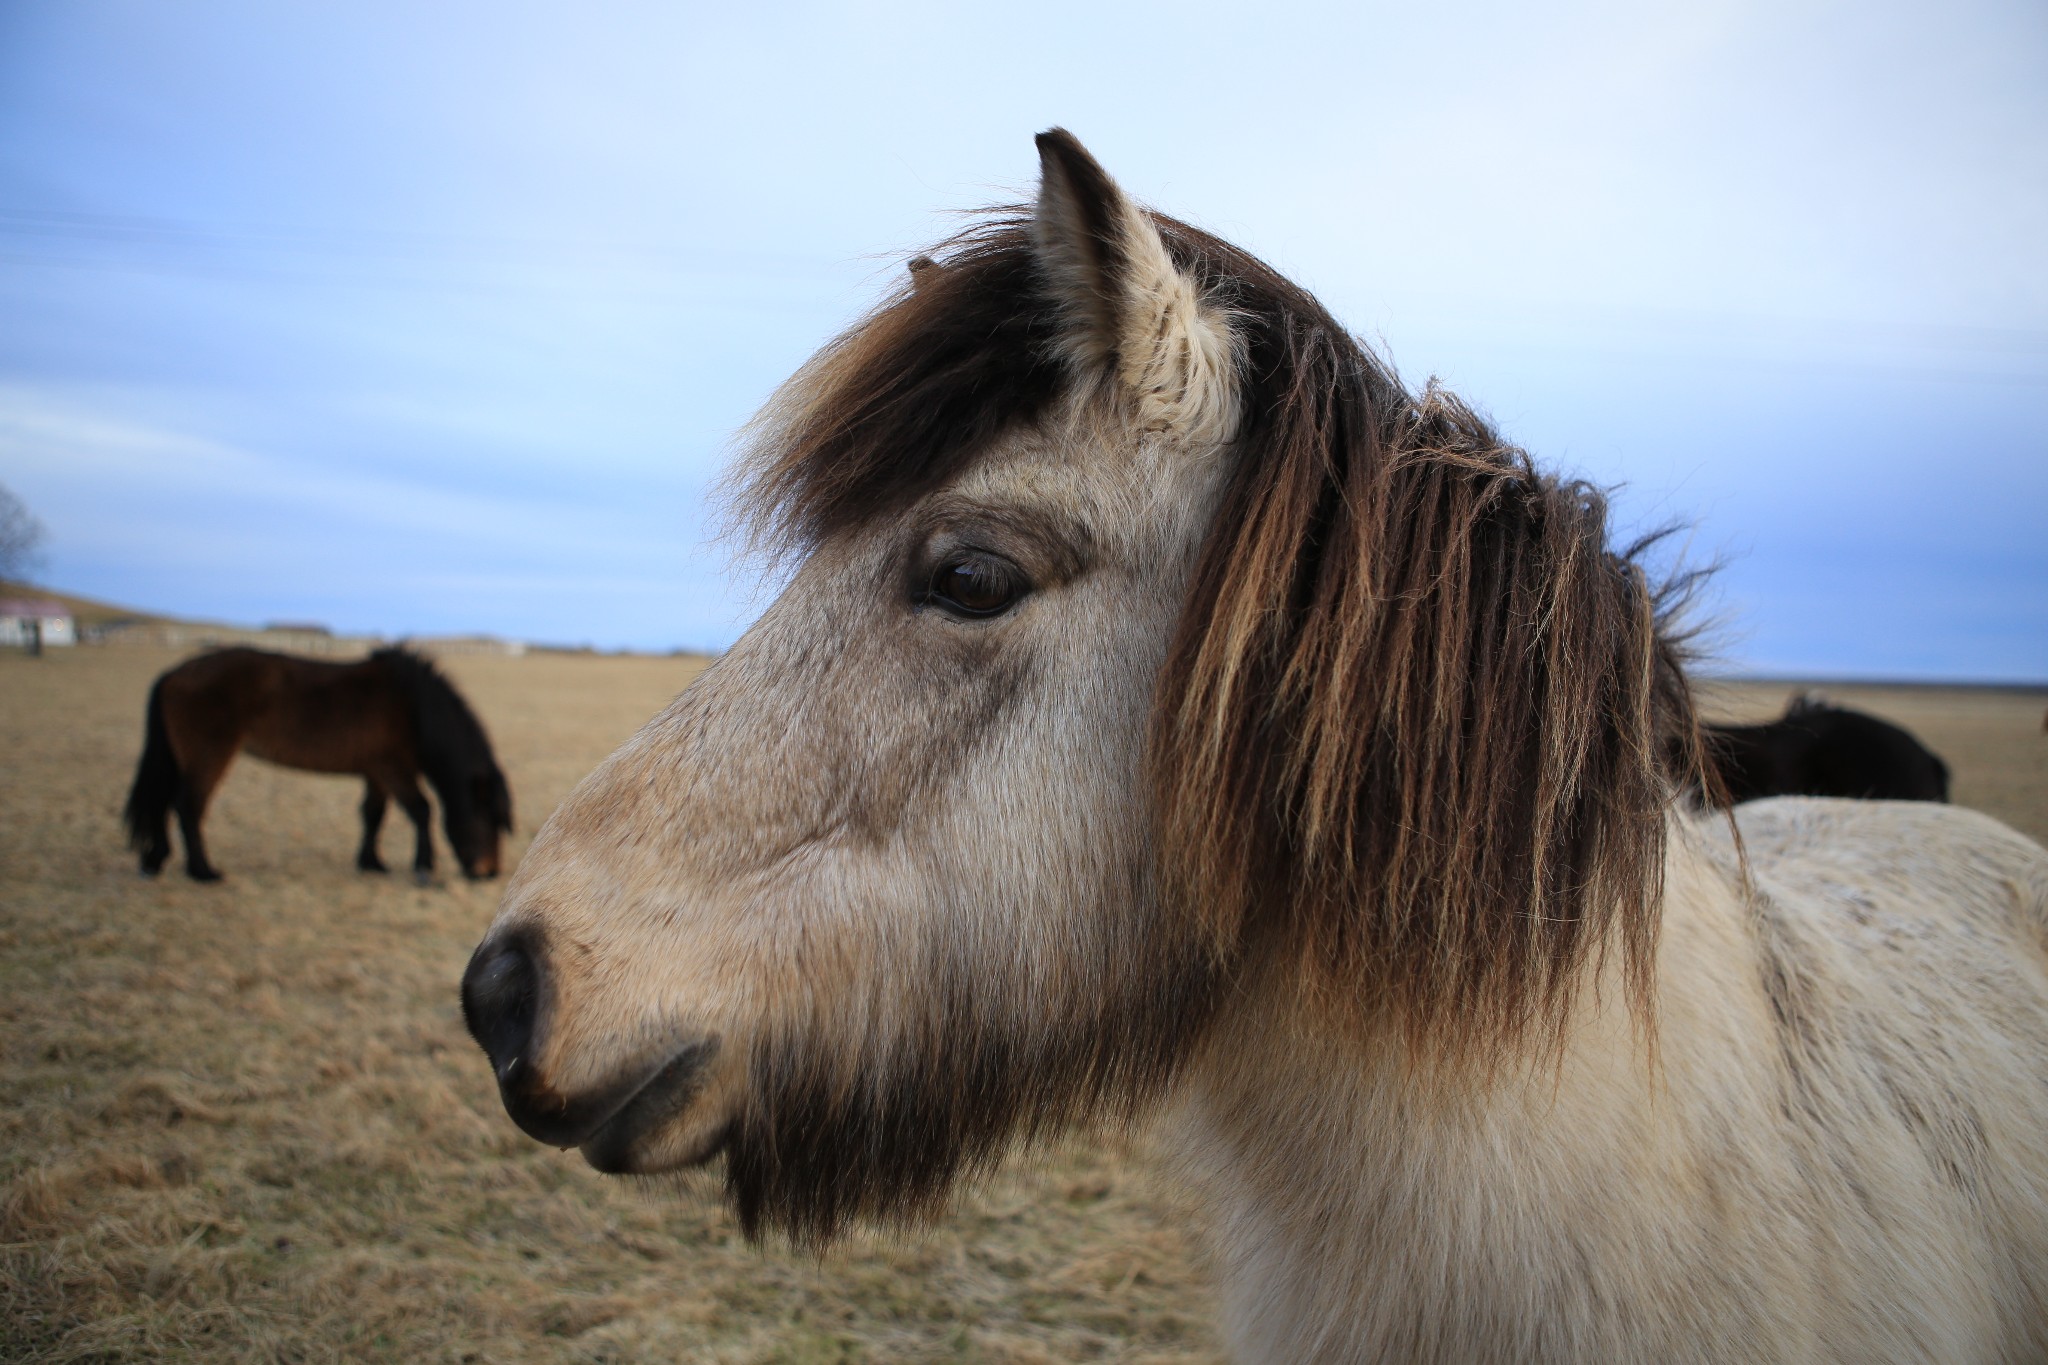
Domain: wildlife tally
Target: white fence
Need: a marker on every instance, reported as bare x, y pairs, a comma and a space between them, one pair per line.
316, 642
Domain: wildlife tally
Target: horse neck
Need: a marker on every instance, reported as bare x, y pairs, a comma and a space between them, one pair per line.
1276, 1048
438, 713
1334, 1163
1279, 1073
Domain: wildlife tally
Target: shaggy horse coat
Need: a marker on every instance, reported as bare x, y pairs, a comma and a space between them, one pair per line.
390, 718
1168, 709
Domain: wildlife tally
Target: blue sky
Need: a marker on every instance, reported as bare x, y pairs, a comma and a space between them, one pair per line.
439, 318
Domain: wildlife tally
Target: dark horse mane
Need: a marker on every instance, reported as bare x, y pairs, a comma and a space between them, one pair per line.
454, 751
1419, 723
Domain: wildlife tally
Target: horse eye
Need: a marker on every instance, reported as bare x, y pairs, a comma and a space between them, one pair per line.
974, 585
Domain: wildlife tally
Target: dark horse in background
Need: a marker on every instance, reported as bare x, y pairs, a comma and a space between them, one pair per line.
1820, 749
390, 718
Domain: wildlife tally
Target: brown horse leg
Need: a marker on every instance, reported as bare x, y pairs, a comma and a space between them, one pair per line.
205, 741
157, 851
195, 789
413, 802
374, 802
156, 842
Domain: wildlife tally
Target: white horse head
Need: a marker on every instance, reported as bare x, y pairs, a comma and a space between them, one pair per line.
1159, 684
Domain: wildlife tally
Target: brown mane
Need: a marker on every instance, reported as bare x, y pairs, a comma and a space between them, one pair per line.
908, 397
1414, 718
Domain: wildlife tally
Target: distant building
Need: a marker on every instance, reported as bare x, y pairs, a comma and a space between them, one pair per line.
32, 620
468, 644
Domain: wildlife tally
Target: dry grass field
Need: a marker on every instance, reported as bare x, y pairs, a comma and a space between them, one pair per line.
244, 1123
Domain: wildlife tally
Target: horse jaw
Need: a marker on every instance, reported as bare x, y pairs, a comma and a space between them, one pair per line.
855, 850
884, 876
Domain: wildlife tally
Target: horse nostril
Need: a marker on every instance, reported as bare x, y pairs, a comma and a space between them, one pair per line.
500, 1000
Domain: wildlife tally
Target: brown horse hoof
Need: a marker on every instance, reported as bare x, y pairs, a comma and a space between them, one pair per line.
377, 868
424, 877
203, 874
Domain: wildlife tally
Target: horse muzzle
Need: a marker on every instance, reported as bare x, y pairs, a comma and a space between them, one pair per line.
621, 1126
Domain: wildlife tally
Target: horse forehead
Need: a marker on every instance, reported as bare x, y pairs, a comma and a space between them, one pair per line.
1096, 473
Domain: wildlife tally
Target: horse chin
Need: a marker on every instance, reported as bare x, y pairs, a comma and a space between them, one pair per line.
677, 1147
674, 1120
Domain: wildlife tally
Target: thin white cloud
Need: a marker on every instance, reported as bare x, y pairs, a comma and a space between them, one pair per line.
469, 297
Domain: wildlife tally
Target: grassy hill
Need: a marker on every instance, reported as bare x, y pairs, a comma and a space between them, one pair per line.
85, 610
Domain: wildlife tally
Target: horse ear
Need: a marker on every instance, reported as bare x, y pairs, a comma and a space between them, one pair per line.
1129, 309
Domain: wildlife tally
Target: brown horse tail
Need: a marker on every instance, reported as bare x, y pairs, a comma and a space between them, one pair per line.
156, 778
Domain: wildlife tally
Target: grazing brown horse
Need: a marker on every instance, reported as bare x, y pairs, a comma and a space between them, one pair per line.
1167, 706
390, 718
1819, 749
